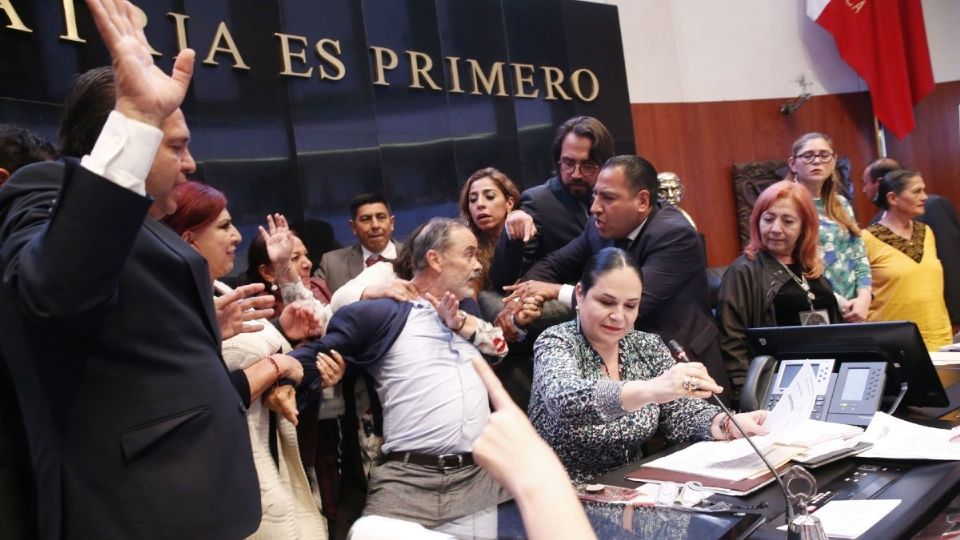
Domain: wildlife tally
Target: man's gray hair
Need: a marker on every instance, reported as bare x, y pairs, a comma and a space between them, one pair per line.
436, 236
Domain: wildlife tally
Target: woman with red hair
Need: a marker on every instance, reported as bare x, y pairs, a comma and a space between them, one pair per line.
778, 281
202, 220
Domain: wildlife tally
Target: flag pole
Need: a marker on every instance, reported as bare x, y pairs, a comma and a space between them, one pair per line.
879, 138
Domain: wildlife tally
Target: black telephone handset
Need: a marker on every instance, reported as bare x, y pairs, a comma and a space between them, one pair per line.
849, 396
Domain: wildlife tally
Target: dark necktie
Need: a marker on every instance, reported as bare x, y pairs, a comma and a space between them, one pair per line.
374, 259
622, 243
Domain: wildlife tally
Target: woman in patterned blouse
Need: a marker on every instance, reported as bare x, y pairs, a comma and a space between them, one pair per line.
601, 388
813, 164
903, 256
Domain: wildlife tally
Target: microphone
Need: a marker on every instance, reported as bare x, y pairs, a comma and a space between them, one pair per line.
681, 357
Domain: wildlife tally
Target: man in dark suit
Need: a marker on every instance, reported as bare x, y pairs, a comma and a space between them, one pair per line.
372, 223
941, 215
18, 147
559, 208
667, 249
107, 323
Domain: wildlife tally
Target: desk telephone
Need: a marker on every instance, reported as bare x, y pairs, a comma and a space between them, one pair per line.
849, 396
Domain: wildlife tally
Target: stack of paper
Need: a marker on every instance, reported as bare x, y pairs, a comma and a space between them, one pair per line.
738, 468
893, 438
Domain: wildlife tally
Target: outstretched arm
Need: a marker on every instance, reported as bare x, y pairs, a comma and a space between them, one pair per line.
512, 452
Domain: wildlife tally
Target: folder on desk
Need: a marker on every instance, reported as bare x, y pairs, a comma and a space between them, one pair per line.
727, 487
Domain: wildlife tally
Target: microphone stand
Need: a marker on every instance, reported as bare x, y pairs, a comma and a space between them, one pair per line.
681, 357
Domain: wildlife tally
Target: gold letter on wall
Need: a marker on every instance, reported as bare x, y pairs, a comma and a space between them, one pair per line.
380, 67
70, 21
286, 55
418, 70
223, 34
330, 58
181, 24
521, 80
15, 22
575, 84
454, 62
553, 78
495, 77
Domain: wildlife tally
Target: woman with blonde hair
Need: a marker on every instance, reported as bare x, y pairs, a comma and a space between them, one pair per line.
813, 164
779, 279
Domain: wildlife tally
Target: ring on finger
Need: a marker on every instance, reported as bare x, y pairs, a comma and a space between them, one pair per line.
686, 383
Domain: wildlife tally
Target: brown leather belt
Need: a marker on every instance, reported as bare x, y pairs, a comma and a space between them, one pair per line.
445, 462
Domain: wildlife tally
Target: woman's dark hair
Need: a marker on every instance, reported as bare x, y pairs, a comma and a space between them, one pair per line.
603, 261
257, 255
893, 182
91, 97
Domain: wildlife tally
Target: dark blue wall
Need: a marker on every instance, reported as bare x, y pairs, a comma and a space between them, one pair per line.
305, 146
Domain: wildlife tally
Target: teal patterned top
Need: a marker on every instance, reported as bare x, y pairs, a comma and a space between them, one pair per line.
844, 256
576, 407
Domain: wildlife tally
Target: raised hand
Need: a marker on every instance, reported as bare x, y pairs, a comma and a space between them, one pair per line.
448, 308
277, 237
239, 306
144, 92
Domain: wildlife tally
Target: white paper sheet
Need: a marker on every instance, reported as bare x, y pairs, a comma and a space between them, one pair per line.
894, 438
835, 516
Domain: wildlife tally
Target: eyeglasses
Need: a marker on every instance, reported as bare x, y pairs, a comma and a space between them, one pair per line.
587, 168
808, 157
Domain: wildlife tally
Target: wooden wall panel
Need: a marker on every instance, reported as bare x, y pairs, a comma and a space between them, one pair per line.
702, 141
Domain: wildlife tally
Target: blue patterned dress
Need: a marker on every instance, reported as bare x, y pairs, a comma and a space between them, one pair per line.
576, 408
844, 256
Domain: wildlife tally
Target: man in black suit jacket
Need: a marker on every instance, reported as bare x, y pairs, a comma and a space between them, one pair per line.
941, 215
560, 207
108, 326
667, 249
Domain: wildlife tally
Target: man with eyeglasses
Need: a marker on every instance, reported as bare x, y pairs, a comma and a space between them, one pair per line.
560, 207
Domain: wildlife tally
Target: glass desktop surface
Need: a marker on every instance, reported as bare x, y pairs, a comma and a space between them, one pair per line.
617, 521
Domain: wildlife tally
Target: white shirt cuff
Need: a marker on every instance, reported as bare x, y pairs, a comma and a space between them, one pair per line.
565, 296
124, 152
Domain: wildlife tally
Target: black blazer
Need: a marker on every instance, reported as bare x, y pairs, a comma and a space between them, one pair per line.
110, 334
673, 268
559, 219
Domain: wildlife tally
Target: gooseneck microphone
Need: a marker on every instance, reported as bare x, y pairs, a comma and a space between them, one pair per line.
681, 357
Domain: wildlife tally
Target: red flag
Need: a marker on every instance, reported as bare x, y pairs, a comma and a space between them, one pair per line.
885, 42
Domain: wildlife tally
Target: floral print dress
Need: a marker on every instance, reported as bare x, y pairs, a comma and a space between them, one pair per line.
576, 407
844, 256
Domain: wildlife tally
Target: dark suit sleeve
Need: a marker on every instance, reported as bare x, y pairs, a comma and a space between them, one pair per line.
361, 332
566, 265
942, 218
670, 261
65, 263
735, 302
511, 258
